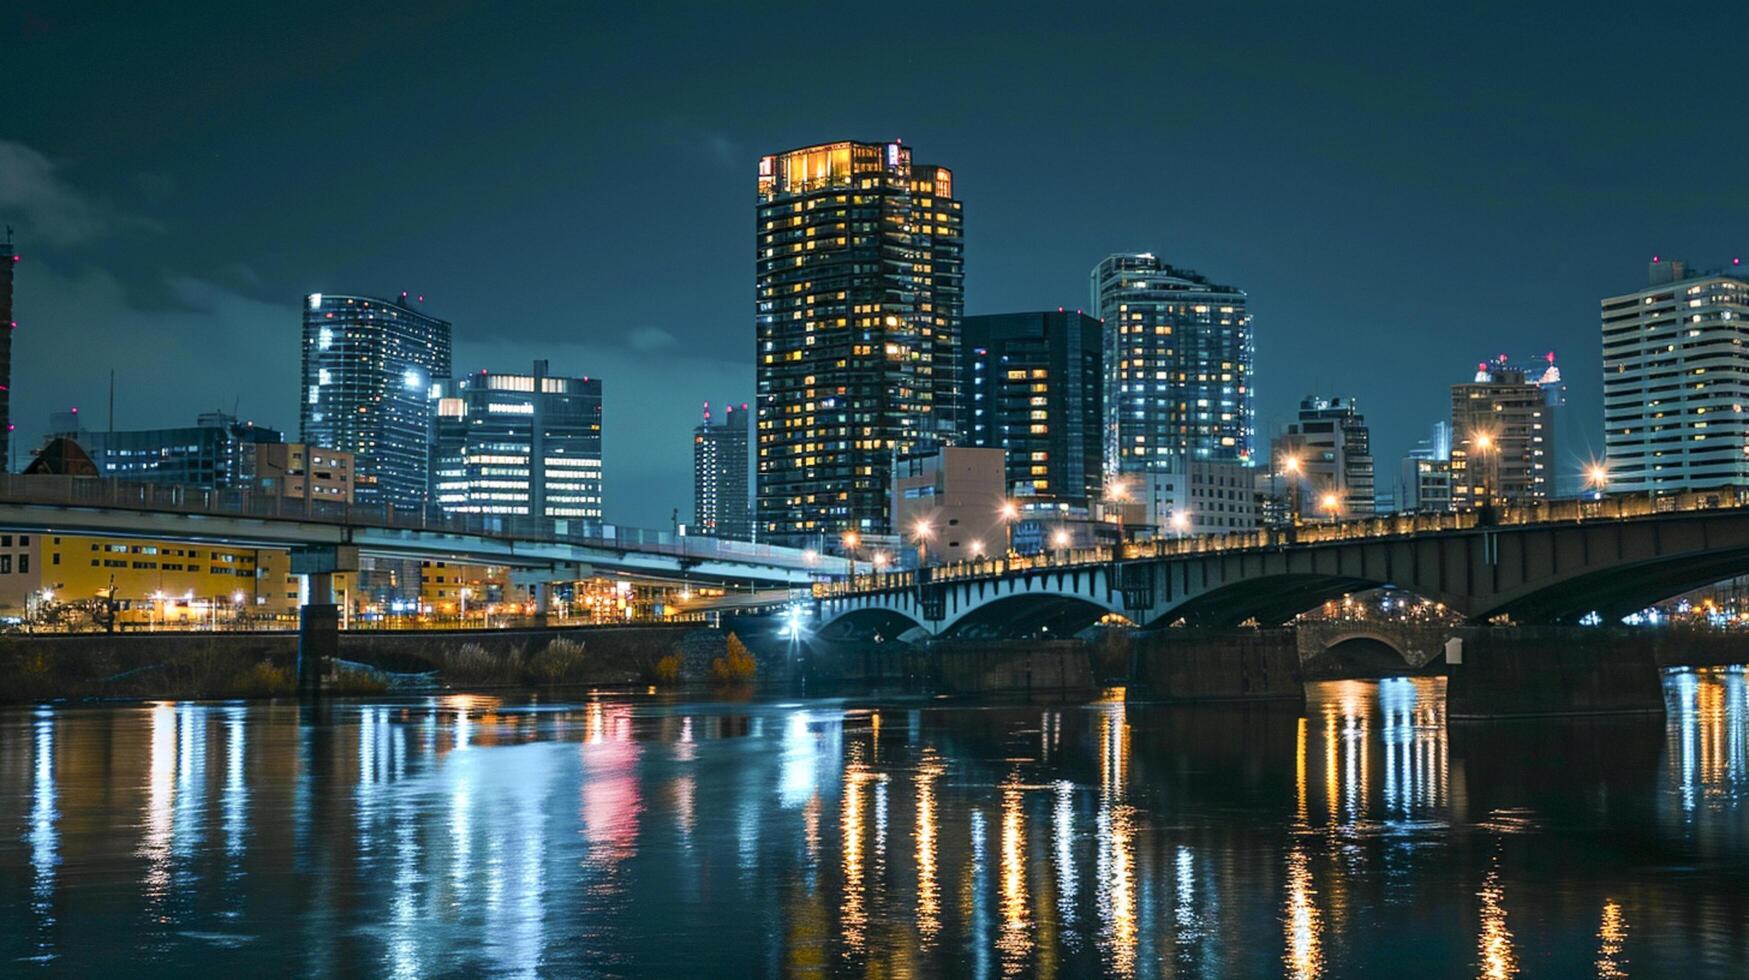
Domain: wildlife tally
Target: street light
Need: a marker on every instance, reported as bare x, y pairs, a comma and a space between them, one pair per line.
1009, 512
1597, 474
1180, 522
1118, 492
1290, 464
977, 549
922, 530
1485, 446
1330, 503
1061, 540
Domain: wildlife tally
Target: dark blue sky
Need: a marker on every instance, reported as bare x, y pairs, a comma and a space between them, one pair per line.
1402, 191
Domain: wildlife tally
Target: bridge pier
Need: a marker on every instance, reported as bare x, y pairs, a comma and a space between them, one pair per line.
1552, 670
319, 617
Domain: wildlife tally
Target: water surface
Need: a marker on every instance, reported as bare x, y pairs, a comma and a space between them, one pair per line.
622, 835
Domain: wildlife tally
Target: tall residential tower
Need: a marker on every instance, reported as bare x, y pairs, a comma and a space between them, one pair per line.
1178, 366
1034, 386
8, 259
1676, 381
859, 273
722, 507
369, 366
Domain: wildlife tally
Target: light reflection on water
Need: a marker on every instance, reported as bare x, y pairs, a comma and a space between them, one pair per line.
627, 835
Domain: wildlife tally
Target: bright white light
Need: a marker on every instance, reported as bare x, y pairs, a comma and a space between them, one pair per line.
315, 300
412, 380
324, 337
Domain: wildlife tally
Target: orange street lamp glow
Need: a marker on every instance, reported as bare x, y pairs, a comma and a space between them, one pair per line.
1597, 475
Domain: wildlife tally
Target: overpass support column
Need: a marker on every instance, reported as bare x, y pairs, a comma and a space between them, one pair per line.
319, 617
541, 594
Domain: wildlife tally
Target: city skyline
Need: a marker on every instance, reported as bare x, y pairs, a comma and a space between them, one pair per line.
1343, 254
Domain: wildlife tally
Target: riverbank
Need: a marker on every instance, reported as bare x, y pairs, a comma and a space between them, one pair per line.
243, 665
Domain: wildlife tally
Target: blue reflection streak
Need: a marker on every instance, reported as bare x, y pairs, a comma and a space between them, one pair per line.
980, 937
235, 802
44, 837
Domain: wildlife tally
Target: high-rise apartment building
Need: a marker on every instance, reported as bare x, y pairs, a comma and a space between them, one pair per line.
1501, 430
1034, 385
1178, 362
1332, 450
517, 444
722, 507
8, 259
859, 291
368, 370
1676, 381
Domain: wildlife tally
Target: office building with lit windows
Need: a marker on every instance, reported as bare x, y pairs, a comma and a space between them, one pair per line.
722, 505
858, 292
1034, 386
1501, 429
211, 454
517, 444
368, 369
1676, 381
1178, 363
1331, 446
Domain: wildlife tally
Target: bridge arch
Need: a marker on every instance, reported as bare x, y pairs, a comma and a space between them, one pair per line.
1026, 614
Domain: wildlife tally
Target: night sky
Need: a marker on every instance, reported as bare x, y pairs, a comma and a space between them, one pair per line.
1403, 190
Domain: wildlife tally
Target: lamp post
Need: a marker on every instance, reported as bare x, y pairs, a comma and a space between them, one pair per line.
1009, 513
1118, 492
1180, 523
1290, 464
850, 540
922, 530
1061, 540
1597, 475
1331, 504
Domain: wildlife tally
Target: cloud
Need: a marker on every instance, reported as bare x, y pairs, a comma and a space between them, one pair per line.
46, 206
217, 349
647, 340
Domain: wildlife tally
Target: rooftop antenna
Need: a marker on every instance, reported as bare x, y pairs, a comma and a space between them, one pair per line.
8, 234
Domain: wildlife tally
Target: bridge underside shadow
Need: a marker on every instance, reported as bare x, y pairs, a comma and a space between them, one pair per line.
1027, 616
1623, 590
867, 624
1270, 601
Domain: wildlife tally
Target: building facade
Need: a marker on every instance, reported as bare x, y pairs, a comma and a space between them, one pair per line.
209, 455
518, 444
722, 505
1501, 428
8, 260
1676, 381
858, 292
1178, 362
947, 504
1034, 385
299, 472
1332, 448
368, 369
1424, 475
1200, 496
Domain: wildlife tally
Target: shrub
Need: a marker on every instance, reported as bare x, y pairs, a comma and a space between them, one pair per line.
470, 663
668, 669
562, 660
358, 682
735, 667
264, 680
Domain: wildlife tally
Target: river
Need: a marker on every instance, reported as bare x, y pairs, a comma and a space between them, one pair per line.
644, 834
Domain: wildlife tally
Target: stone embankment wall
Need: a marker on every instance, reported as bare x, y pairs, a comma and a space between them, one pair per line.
225, 665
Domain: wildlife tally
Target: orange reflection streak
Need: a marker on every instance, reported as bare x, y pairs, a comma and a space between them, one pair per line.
1495, 942
928, 882
1300, 772
1305, 954
1015, 941
1117, 889
852, 912
1612, 932
1332, 780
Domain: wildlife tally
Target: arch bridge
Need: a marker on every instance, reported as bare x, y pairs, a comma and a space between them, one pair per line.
1552, 563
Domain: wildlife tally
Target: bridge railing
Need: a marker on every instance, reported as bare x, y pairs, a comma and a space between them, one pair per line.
75, 491
1610, 507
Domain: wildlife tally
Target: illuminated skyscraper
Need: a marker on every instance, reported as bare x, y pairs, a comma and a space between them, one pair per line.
1033, 386
369, 367
8, 259
1502, 426
859, 294
517, 444
722, 507
1178, 363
